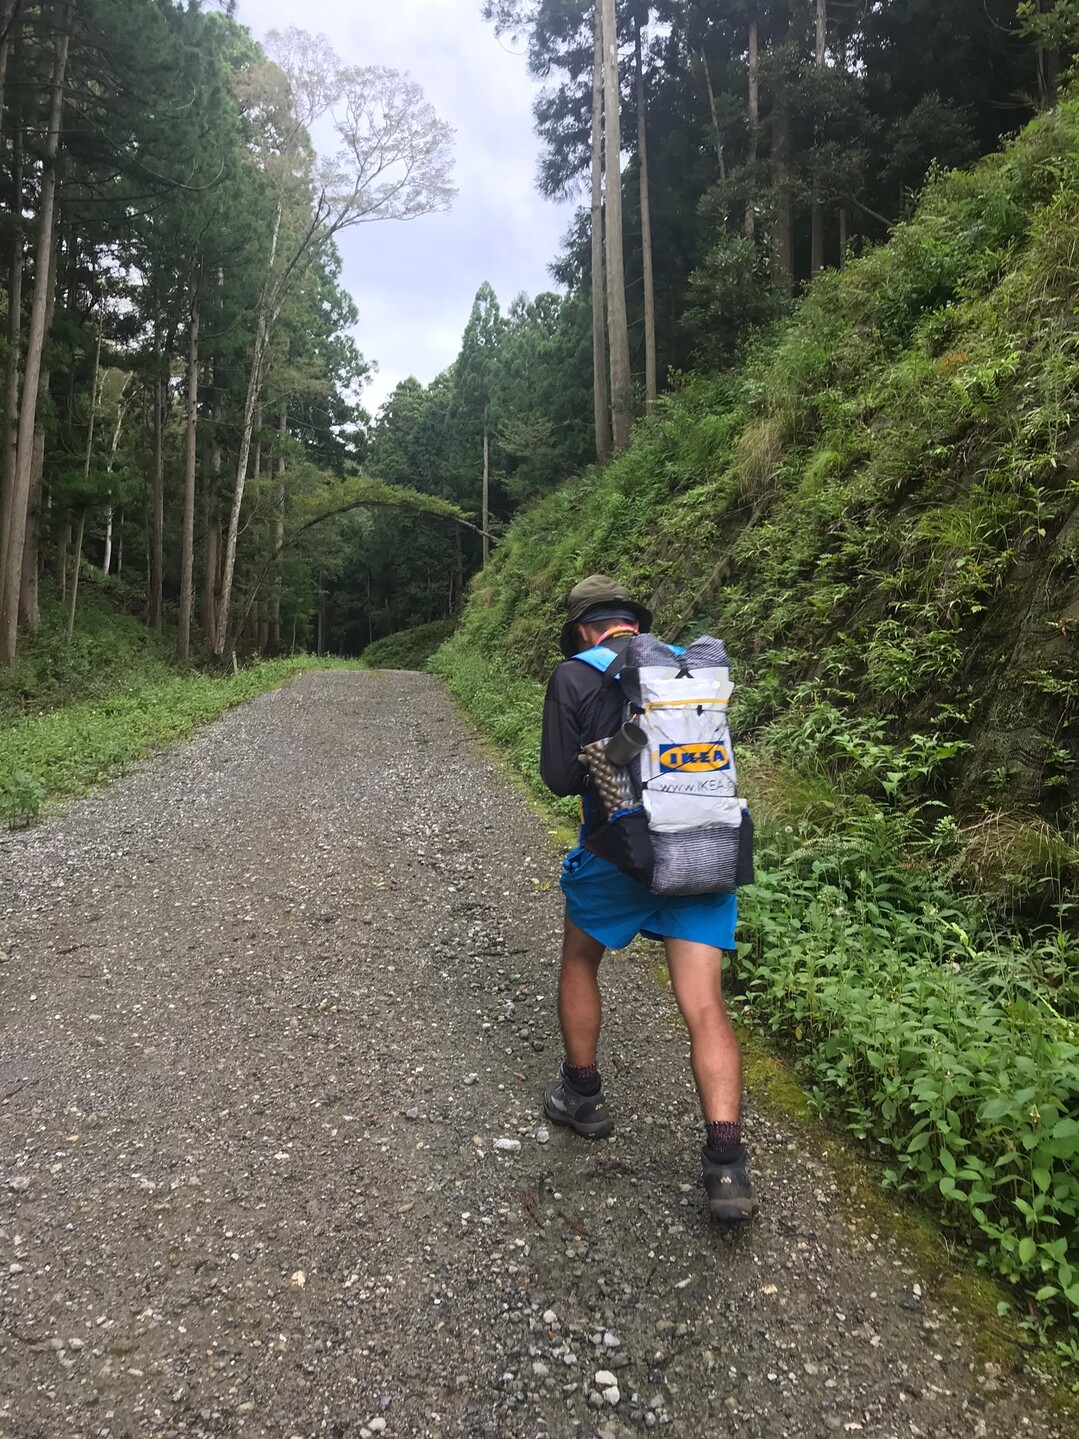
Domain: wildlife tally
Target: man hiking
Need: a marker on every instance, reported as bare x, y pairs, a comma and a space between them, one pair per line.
606, 909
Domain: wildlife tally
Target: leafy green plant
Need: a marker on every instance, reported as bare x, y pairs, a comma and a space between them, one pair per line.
958, 1061
21, 795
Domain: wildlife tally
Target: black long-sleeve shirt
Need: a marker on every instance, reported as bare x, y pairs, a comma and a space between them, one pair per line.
580, 707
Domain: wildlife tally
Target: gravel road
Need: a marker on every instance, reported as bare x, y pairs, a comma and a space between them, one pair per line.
276, 1011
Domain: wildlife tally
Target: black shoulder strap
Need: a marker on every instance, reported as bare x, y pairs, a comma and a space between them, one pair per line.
610, 674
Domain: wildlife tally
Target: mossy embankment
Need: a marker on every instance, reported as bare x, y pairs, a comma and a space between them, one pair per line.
879, 511
408, 649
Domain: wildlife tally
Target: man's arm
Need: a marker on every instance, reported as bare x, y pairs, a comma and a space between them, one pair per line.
562, 772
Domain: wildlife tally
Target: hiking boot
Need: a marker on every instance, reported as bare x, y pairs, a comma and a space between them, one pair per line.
585, 1114
730, 1194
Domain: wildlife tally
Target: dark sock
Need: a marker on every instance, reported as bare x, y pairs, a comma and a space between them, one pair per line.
583, 1077
724, 1141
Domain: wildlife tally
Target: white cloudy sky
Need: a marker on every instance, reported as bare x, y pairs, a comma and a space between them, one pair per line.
414, 283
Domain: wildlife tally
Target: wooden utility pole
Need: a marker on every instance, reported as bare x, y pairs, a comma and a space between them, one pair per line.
817, 241
646, 232
600, 395
617, 324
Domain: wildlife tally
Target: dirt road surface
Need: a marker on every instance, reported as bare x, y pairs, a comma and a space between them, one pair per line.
276, 1011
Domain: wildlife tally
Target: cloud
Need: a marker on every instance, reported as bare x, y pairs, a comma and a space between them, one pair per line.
414, 283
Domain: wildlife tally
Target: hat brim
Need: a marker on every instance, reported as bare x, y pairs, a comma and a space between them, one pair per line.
570, 645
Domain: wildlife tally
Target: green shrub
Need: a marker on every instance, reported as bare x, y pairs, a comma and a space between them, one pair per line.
956, 1052
408, 649
21, 796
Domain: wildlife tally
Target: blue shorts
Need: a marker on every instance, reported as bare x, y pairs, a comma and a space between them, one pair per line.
613, 908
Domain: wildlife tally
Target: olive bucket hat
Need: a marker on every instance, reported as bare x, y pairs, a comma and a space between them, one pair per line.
599, 598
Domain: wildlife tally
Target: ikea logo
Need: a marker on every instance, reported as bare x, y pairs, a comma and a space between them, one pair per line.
693, 758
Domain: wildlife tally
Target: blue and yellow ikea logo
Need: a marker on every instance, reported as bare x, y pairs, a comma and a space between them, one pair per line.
693, 758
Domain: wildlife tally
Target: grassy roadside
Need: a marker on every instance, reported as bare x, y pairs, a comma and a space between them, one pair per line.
61, 754
939, 1091
955, 1280
74, 715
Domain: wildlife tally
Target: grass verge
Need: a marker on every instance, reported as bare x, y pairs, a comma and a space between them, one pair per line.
64, 752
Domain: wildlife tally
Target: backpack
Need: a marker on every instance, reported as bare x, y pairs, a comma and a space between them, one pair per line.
671, 818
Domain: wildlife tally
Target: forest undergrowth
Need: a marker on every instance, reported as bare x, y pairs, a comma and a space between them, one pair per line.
879, 511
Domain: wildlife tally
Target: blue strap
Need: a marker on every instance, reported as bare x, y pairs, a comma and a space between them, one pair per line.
600, 658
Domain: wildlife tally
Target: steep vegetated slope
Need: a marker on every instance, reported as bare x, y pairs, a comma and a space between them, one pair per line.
879, 511
108, 651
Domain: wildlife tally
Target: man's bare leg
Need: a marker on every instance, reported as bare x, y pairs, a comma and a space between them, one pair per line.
696, 972
575, 1098
580, 1009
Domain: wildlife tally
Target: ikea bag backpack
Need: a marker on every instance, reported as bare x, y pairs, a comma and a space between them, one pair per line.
672, 818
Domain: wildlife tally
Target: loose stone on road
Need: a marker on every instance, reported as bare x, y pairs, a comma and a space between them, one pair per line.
276, 1011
